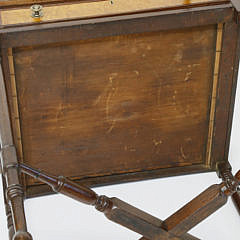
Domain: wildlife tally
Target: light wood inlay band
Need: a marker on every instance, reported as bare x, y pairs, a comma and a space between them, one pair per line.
214, 92
17, 128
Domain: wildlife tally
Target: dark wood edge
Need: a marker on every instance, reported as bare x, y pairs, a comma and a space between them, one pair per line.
42, 189
5, 125
13, 189
8, 212
236, 6
225, 94
119, 211
233, 96
95, 28
9, 104
41, 34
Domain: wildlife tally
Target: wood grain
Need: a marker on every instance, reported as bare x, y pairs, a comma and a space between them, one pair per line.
5, 126
93, 9
141, 107
196, 211
114, 209
225, 93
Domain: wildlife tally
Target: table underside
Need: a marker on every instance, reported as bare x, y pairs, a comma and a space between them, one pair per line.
112, 100
117, 105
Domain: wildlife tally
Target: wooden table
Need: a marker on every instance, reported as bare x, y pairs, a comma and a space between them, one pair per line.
104, 92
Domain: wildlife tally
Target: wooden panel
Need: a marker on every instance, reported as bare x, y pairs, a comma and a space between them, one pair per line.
93, 9
117, 104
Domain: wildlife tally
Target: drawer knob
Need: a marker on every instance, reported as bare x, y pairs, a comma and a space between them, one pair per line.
37, 11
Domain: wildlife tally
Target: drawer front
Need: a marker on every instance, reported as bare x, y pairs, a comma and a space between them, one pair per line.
60, 12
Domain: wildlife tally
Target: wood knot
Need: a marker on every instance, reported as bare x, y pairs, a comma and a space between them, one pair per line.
103, 203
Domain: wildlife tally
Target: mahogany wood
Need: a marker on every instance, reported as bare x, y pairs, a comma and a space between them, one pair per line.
108, 117
196, 211
13, 189
225, 172
128, 216
236, 200
128, 93
8, 211
187, 156
114, 209
223, 113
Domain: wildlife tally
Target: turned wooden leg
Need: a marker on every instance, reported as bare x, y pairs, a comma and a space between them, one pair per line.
8, 211
225, 172
114, 209
236, 201
173, 228
14, 189
14, 194
205, 204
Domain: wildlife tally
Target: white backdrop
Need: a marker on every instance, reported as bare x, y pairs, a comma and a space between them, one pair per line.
57, 217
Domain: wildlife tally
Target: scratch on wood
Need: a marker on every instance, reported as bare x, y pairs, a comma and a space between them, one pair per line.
136, 133
111, 127
156, 143
107, 104
178, 57
158, 95
60, 112
196, 64
182, 153
137, 72
131, 149
187, 77
97, 100
112, 91
106, 89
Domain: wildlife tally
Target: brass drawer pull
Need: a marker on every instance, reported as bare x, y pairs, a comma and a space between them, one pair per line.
37, 11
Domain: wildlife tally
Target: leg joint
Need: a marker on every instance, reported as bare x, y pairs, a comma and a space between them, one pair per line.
14, 190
